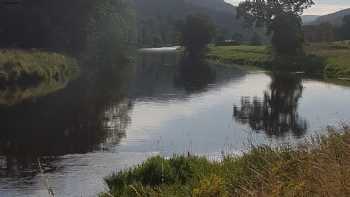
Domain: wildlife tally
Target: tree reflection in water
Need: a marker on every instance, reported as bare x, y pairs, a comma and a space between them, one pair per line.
277, 113
194, 75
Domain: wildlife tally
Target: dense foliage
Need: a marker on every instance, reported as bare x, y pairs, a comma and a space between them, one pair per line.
156, 20
282, 19
287, 34
195, 33
63, 25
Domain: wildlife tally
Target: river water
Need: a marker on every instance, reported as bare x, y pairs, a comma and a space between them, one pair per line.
71, 139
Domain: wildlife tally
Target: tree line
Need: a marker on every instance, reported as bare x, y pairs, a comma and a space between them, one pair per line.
96, 28
69, 26
343, 32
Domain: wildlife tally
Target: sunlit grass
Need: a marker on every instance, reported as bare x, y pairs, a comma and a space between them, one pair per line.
318, 167
32, 66
243, 54
331, 59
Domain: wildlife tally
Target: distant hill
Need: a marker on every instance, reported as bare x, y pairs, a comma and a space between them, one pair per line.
156, 19
307, 19
214, 5
334, 18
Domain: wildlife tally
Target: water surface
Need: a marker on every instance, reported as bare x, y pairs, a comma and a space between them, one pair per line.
91, 128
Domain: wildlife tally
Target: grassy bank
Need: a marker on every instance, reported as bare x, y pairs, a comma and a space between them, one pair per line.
319, 167
241, 54
29, 67
336, 56
331, 59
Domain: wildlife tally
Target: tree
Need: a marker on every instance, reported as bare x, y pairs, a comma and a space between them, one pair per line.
287, 35
282, 19
344, 30
63, 25
195, 33
110, 30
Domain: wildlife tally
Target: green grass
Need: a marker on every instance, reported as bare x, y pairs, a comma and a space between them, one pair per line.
336, 55
26, 67
331, 59
318, 167
243, 54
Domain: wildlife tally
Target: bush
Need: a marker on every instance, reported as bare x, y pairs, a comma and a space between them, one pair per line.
153, 172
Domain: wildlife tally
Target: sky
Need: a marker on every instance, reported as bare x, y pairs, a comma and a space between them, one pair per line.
322, 7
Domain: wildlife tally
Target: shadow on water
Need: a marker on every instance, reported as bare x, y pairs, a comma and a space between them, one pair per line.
166, 76
276, 113
14, 94
88, 115
194, 75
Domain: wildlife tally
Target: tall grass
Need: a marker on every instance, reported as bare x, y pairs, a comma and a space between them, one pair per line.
318, 167
22, 66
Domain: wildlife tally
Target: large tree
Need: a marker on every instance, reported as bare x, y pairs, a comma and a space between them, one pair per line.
282, 19
195, 33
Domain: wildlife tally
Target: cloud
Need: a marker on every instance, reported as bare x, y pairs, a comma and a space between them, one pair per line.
323, 9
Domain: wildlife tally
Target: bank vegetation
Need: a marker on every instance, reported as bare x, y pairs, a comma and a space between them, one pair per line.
318, 167
28, 67
329, 59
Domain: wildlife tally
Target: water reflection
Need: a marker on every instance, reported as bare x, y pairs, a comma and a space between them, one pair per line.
88, 115
12, 95
118, 121
167, 75
194, 75
277, 112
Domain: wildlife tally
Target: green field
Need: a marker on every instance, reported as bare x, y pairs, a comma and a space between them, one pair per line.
336, 55
331, 59
27, 67
242, 54
319, 167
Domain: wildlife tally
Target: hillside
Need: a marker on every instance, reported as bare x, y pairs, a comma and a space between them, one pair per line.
307, 19
156, 19
334, 18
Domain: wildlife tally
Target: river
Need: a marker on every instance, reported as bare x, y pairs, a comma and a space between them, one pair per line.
71, 139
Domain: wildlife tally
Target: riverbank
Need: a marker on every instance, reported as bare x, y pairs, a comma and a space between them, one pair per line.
241, 54
336, 57
28, 67
318, 167
330, 59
